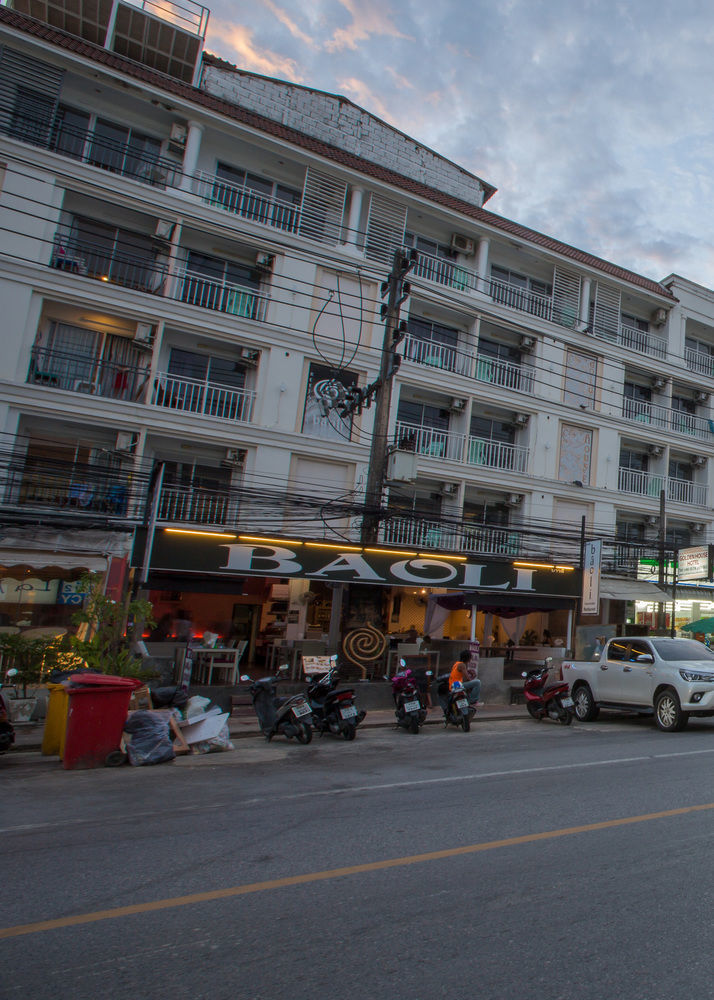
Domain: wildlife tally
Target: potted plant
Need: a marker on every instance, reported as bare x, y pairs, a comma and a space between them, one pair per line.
27, 660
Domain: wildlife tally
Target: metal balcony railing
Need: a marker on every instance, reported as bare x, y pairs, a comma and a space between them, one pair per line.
114, 267
520, 299
429, 441
699, 362
88, 375
188, 505
666, 418
208, 398
491, 541
444, 272
442, 356
246, 203
425, 534
685, 491
222, 296
646, 485
497, 454
66, 493
640, 341
504, 374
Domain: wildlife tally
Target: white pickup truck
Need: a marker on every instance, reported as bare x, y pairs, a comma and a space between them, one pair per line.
672, 678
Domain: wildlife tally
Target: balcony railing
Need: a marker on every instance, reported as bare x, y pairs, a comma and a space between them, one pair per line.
246, 203
430, 442
71, 494
208, 398
88, 375
222, 296
520, 299
442, 356
504, 374
699, 362
113, 267
640, 341
646, 485
497, 454
666, 418
444, 272
424, 534
185, 504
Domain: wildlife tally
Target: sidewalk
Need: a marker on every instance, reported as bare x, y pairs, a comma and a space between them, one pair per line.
28, 736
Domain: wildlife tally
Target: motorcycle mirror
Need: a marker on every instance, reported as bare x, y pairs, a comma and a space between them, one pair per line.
386, 677
548, 660
334, 657
244, 677
12, 672
430, 673
524, 674
283, 667
402, 662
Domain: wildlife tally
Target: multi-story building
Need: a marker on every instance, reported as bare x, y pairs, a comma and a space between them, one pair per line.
191, 266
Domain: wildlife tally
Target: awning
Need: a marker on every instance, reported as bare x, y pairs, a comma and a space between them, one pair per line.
633, 590
39, 559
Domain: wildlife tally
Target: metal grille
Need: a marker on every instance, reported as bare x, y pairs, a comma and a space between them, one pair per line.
566, 297
323, 208
606, 317
386, 226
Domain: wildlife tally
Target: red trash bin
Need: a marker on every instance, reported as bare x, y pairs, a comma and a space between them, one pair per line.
98, 705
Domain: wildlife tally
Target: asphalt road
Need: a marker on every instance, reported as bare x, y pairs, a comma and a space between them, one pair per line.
520, 860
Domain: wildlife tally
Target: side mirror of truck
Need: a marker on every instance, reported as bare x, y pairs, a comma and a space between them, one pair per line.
644, 658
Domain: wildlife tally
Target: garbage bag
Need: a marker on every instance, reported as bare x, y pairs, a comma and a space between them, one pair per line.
173, 696
151, 741
217, 744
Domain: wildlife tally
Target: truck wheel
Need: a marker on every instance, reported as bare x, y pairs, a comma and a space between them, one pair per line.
585, 708
668, 712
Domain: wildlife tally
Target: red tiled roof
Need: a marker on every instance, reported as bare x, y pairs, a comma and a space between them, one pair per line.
236, 113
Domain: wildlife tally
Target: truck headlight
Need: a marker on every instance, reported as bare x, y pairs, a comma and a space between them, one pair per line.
696, 675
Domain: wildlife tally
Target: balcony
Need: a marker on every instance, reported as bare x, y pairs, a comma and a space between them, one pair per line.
209, 399
421, 534
188, 505
640, 341
112, 266
246, 203
521, 299
429, 441
436, 355
665, 418
497, 454
90, 376
646, 485
80, 493
505, 374
443, 271
699, 361
491, 541
198, 290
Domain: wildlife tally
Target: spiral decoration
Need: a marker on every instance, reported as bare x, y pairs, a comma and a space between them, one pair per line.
364, 645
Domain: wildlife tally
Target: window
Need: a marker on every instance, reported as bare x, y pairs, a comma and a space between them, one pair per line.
431, 343
679, 469
639, 393
518, 291
110, 253
634, 322
121, 149
256, 197
639, 648
617, 650
488, 512
70, 131
492, 430
224, 285
423, 415
504, 352
630, 531
636, 460
430, 247
206, 368
700, 346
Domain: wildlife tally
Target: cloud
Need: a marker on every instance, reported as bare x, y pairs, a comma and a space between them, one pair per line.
235, 42
281, 15
362, 95
369, 17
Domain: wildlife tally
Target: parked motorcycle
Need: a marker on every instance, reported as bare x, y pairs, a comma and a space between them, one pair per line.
290, 716
545, 701
455, 704
333, 708
408, 706
7, 730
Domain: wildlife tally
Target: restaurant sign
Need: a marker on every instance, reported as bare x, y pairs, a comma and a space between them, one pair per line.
175, 551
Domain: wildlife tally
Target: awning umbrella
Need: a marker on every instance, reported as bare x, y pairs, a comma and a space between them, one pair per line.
700, 625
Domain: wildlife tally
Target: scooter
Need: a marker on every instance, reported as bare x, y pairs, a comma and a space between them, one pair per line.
455, 704
291, 716
333, 710
545, 701
7, 730
408, 707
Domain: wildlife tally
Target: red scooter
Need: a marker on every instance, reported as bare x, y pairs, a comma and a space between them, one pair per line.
545, 701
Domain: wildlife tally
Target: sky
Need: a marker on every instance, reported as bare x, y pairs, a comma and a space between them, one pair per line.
593, 119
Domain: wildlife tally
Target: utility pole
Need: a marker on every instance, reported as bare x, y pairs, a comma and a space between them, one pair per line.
396, 290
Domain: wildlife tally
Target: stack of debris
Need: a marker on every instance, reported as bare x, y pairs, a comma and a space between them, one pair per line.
165, 722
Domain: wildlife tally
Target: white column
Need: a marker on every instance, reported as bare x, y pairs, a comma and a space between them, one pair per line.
585, 303
482, 264
190, 155
353, 232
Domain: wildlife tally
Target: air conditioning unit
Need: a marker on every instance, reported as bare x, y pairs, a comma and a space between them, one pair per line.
178, 136
701, 396
164, 230
234, 456
656, 450
249, 355
659, 316
264, 261
458, 404
126, 442
651, 520
463, 244
527, 342
697, 527
144, 337
521, 419
659, 382
699, 461
449, 489
514, 499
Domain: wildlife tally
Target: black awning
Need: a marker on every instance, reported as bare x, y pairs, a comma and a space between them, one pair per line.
197, 584
507, 605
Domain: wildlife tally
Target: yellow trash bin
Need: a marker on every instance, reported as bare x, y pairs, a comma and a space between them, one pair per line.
56, 721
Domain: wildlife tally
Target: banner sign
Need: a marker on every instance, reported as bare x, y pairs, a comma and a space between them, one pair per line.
191, 553
592, 556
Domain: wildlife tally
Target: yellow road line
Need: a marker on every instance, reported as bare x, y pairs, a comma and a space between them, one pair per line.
372, 866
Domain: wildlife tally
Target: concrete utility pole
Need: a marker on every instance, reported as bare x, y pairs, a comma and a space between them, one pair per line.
396, 290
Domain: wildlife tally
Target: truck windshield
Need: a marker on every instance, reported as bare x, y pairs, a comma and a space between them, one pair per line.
681, 649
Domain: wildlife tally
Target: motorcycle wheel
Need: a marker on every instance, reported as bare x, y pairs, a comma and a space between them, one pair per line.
565, 715
465, 723
533, 711
414, 724
304, 733
349, 733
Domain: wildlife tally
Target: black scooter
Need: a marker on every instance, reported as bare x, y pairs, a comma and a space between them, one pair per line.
455, 704
291, 716
333, 709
